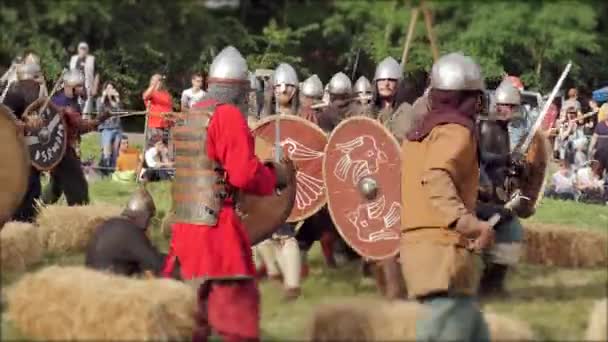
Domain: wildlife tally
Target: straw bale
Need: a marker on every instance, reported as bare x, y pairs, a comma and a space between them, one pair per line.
20, 246
69, 229
381, 320
76, 303
597, 330
553, 245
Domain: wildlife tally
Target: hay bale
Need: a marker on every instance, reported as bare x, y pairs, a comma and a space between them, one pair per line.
553, 245
504, 328
69, 229
20, 246
381, 320
597, 330
75, 303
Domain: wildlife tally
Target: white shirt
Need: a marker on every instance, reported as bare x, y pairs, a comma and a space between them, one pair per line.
151, 157
586, 178
563, 183
190, 97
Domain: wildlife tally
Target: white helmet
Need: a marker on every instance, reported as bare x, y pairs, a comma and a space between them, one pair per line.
73, 78
456, 71
506, 93
362, 85
312, 87
285, 74
340, 84
229, 64
389, 68
28, 71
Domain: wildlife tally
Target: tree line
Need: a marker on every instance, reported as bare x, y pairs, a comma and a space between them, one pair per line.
132, 39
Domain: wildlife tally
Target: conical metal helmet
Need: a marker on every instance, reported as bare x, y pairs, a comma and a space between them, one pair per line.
73, 78
312, 87
229, 64
141, 203
455, 71
389, 68
285, 74
28, 71
506, 93
340, 84
362, 85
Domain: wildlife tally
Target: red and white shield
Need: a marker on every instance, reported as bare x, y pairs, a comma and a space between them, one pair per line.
361, 169
304, 143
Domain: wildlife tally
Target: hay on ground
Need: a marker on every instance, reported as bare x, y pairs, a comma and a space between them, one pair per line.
69, 229
19, 246
75, 303
552, 245
381, 320
597, 330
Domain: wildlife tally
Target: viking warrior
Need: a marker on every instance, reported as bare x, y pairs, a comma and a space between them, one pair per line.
121, 245
256, 97
215, 158
286, 252
363, 98
386, 81
67, 177
340, 90
311, 93
501, 171
23, 92
84, 63
439, 192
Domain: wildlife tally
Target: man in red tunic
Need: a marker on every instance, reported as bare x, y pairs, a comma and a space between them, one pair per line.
214, 155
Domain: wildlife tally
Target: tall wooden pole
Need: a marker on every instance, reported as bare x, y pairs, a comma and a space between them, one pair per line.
428, 20
408, 38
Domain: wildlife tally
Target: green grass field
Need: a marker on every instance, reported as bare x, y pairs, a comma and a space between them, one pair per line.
555, 302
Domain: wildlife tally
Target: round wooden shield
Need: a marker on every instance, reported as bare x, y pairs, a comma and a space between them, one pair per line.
46, 145
262, 215
361, 169
303, 142
14, 165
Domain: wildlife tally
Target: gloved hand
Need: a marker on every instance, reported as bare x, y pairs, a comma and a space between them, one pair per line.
284, 171
518, 164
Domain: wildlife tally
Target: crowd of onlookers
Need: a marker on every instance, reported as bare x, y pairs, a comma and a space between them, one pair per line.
580, 145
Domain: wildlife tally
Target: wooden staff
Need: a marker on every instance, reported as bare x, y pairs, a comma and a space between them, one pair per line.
408, 39
428, 21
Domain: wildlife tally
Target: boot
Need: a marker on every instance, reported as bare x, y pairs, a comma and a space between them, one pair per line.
327, 246
492, 283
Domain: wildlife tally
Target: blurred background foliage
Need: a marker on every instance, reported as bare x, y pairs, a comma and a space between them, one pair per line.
132, 39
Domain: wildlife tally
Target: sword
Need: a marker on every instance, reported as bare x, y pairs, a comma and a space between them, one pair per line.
523, 148
278, 154
53, 91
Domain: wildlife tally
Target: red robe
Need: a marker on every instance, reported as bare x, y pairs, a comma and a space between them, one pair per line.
224, 251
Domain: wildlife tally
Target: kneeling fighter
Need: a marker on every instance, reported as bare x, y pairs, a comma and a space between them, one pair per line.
120, 244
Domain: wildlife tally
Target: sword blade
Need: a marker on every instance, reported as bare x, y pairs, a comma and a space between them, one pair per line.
524, 147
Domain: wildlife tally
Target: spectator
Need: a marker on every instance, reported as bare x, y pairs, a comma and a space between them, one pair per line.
158, 102
111, 129
192, 95
598, 148
570, 132
572, 101
85, 63
562, 183
591, 121
580, 154
589, 183
156, 161
127, 163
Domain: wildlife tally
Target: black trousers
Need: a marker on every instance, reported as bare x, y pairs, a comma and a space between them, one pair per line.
27, 210
67, 178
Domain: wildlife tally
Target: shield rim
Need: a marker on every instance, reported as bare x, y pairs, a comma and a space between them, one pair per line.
65, 137
329, 207
271, 118
547, 145
5, 217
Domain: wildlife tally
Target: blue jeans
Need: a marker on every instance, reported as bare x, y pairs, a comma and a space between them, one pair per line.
110, 143
451, 319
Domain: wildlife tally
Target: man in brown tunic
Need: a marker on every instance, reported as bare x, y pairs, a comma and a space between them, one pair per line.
441, 235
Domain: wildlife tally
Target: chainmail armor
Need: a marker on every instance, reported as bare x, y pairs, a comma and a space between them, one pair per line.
234, 93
